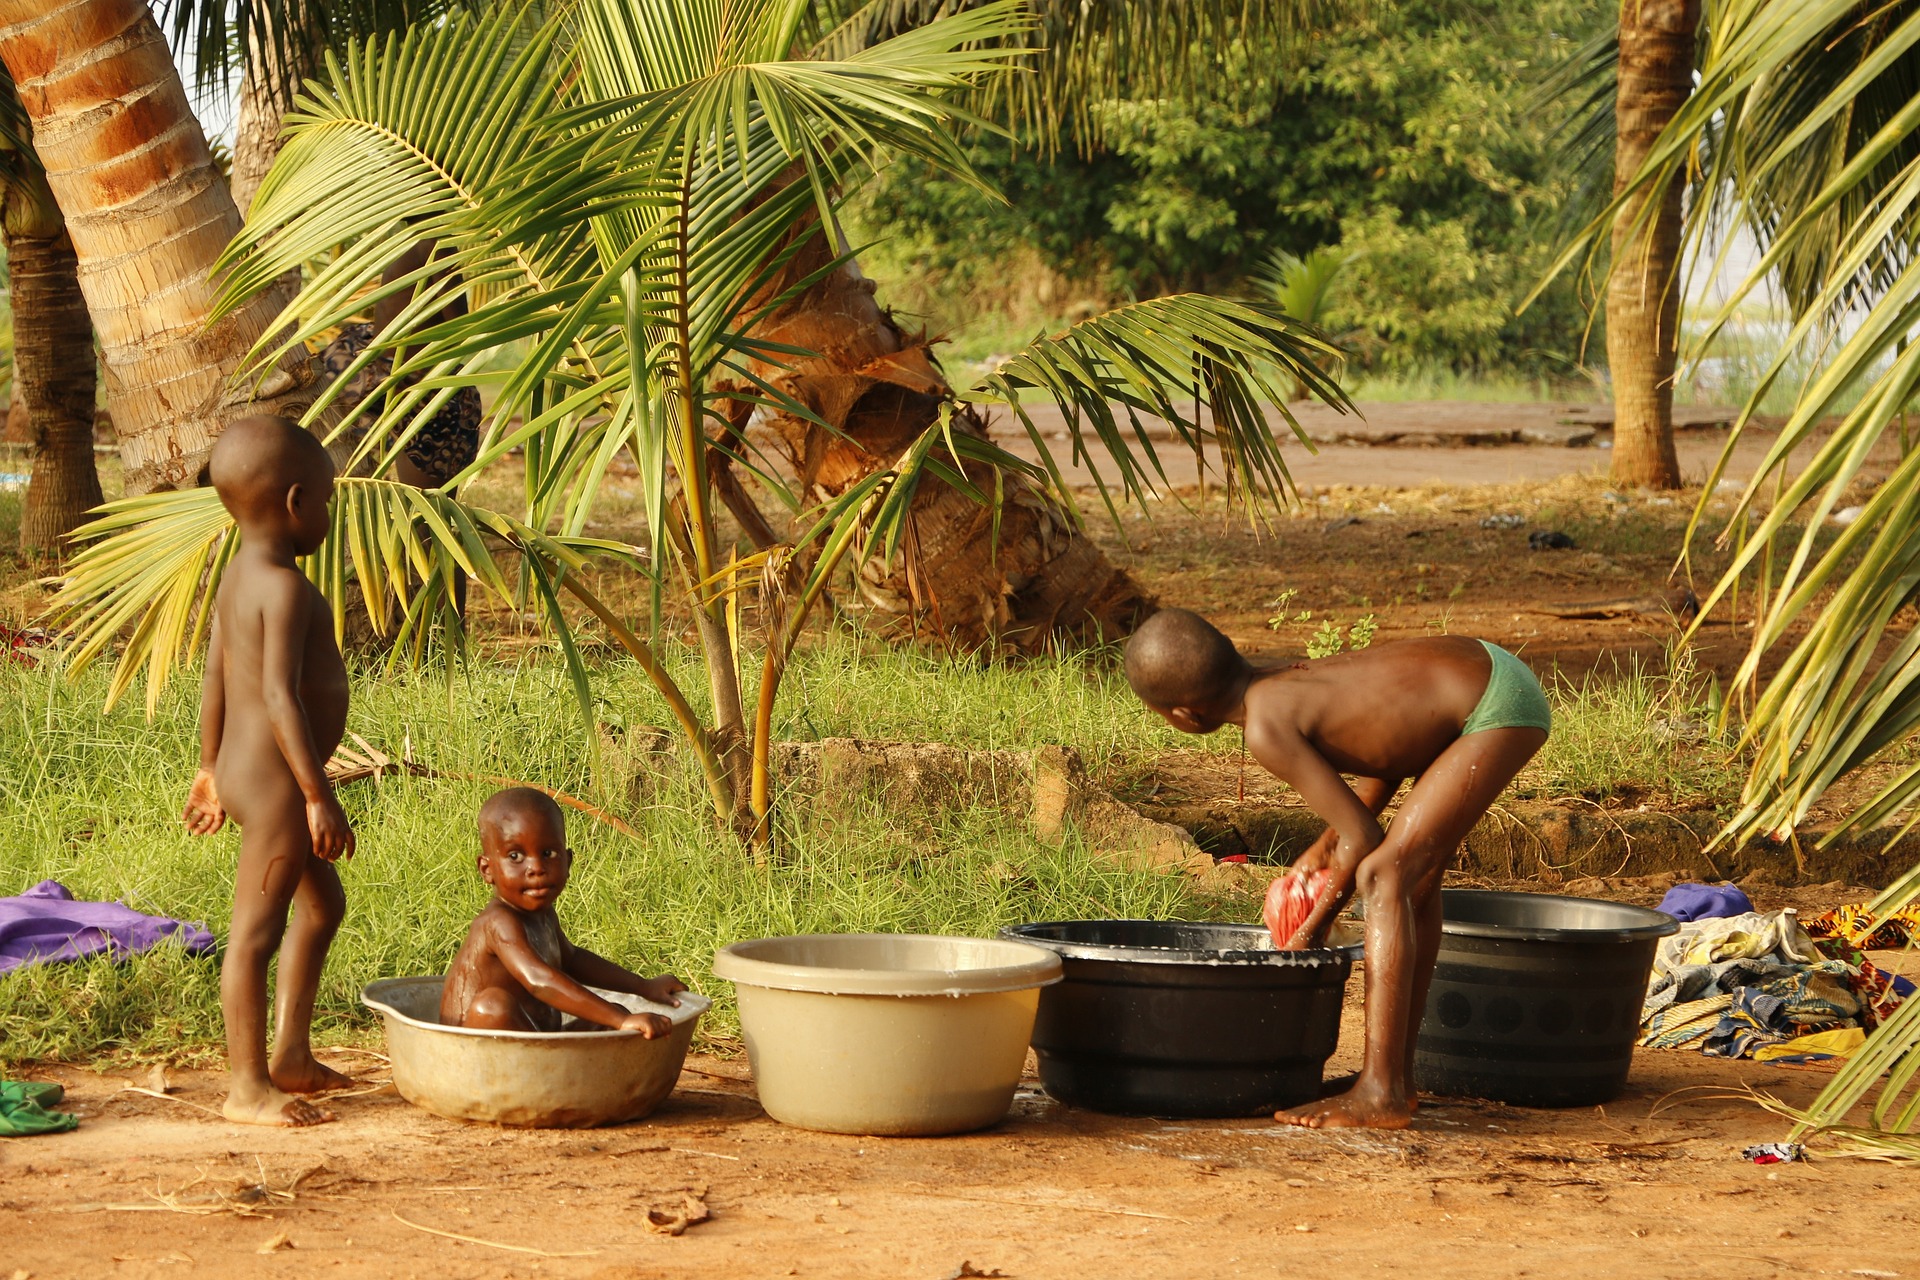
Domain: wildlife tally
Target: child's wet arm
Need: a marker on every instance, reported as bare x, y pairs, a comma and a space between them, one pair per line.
598, 971
550, 986
1375, 793
213, 701
1353, 821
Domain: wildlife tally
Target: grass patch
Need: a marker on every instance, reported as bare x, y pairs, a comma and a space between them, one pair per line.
93, 800
1440, 382
1636, 733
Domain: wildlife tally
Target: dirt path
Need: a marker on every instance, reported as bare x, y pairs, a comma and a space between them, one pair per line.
1408, 445
1652, 1185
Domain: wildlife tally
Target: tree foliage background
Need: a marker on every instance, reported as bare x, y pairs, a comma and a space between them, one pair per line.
1413, 136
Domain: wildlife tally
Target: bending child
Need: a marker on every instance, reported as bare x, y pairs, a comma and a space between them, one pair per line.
272, 710
517, 971
1460, 717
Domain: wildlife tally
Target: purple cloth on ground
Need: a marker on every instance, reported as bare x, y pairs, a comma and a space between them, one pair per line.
45, 924
1686, 902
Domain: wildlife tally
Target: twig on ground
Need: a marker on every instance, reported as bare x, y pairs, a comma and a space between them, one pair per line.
494, 1244
167, 1097
1057, 1204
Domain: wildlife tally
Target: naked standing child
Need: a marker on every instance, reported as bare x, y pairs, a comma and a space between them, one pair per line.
1460, 717
271, 712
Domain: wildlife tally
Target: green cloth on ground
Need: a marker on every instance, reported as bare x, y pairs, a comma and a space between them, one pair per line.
23, 1109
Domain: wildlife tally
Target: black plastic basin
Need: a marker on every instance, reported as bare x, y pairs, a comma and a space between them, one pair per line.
1165, 1018
1536, 998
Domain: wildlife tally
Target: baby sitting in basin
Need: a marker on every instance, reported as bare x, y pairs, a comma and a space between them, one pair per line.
517, 971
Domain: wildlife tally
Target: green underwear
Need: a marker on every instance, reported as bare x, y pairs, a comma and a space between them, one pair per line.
1513, 699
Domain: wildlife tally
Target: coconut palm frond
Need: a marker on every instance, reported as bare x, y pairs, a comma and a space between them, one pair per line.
1579, 95
379, 159
1805, 129
1300, 286
149, 568
1885, 1069
1807, 132
1084, 52
152, 565
1184, 359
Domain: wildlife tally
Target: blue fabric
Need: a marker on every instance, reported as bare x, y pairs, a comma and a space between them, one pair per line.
1686, 902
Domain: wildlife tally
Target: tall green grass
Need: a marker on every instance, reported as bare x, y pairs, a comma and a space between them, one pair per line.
1643, 728
93, 800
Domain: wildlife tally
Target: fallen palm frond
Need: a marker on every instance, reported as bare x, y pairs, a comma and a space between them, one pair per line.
348, 765
1883, 1069
1852, 1141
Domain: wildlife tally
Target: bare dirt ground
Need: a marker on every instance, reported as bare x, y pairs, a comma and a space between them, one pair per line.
1437, 539
1652, 1184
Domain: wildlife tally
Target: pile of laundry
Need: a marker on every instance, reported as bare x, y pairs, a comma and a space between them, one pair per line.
1740, 983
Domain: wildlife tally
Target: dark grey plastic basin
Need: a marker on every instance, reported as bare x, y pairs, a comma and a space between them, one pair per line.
1167, 1018
1536, 997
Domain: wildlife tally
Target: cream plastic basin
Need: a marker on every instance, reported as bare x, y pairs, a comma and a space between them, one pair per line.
534, 1080
887, 1033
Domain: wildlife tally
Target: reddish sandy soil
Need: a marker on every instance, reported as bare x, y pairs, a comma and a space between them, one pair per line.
1652, 1185
1424, 560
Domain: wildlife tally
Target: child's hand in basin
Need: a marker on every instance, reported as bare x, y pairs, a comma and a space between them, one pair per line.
650, 1025
661, 990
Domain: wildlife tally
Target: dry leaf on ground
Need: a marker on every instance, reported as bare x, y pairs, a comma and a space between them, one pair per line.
671, 1222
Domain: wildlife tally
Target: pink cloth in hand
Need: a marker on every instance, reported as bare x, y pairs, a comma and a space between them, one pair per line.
1290, 901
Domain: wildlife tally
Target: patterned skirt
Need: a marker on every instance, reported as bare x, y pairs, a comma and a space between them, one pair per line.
445, 445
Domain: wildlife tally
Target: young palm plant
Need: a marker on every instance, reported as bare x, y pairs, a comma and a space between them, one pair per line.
628, 191
1805, 129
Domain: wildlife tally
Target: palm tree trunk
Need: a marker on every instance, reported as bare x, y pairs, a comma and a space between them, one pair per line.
266, 91
54, 376
1037, 579
1643, 292
256, 139
148, 214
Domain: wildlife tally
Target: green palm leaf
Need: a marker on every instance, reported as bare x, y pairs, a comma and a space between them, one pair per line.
1805, 129
1183, 359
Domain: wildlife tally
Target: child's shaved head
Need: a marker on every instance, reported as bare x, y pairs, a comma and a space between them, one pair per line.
258, 459
1179, 659
504, 807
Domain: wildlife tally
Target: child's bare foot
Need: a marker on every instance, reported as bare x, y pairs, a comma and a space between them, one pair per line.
307, 1074
1341, 1084
1359, 1107
272, 1107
